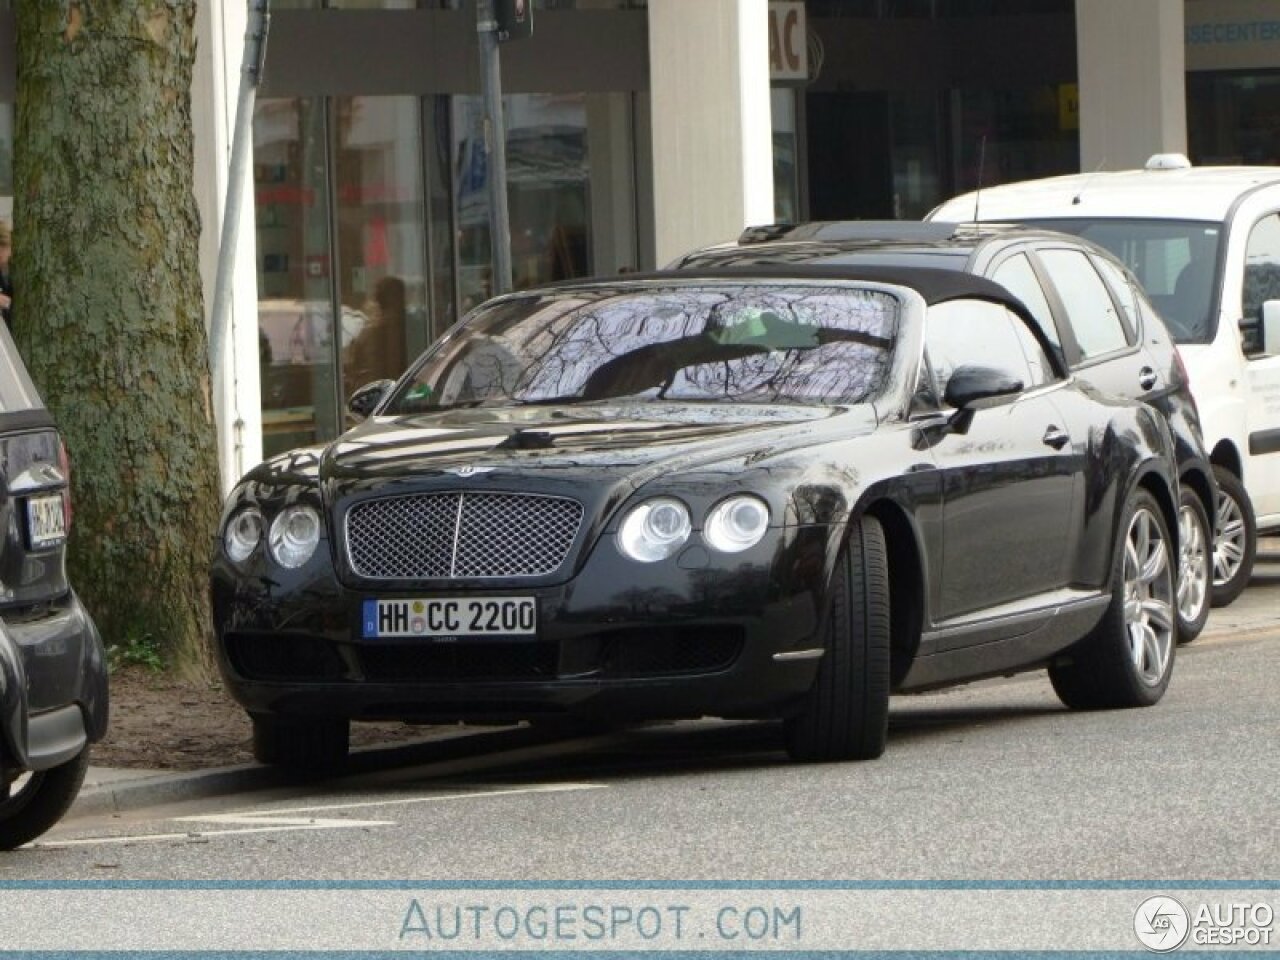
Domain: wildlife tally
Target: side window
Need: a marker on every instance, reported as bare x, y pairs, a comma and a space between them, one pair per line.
1262, 266
1123, 290
1037, 360
1090, 309
1016, 276
977, 332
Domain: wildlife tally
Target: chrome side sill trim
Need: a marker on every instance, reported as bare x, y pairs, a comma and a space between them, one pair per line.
789, 655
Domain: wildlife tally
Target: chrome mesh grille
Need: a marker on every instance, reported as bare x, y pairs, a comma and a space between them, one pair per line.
433, 536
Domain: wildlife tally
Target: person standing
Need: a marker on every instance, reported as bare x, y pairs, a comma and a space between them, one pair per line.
6, 279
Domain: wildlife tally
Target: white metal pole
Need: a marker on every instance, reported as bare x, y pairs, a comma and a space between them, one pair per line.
255, 50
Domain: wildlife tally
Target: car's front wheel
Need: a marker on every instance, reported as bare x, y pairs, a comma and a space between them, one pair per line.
1195, 566
304, 745
1127, 660
846, 713
36, 801
1235, 539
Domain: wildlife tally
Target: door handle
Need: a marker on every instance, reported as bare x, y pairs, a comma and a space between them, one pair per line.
1056, 437
1147, 378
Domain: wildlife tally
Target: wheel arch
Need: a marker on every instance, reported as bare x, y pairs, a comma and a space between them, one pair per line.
1154, 482
1226, 455
1200, 483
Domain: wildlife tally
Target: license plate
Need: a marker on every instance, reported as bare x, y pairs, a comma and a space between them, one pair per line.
46, 521
451, 617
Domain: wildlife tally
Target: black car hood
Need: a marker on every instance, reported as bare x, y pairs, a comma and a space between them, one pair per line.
598, 444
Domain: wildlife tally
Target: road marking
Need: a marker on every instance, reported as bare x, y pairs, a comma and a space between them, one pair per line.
280, 821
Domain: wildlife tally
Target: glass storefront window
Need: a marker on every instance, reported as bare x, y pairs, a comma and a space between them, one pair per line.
786, 150
295, 314
381, 271
1233, 117
1001, 136
548, 189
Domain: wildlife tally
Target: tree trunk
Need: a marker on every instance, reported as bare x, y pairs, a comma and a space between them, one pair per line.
109, 314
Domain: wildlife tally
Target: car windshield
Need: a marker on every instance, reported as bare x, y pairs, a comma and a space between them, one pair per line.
743, 343
1174, 260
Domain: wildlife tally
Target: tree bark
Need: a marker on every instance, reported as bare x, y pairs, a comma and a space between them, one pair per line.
110, 318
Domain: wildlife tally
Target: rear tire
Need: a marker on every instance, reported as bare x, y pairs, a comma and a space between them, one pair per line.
40, 801
1127, 660
1195, 566
846, 714
305, 745
1235, 538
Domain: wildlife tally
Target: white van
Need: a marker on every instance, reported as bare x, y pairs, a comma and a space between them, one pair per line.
1205, 242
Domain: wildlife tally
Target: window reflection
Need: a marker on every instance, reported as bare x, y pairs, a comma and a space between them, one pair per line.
381, 235
295, 317
756, 344
548, 191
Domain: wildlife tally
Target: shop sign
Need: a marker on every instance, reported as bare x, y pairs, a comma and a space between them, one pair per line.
788, 41
1232, 35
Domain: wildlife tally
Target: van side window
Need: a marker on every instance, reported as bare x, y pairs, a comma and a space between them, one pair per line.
1090, 309
1261, 266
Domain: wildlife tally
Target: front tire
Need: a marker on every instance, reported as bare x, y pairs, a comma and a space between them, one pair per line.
1127, 660
39, 800
303, 745
1195, 566
1235, 538
846, 713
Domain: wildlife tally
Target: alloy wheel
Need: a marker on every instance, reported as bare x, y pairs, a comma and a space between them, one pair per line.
1230, 540
1193, 576
1148, 598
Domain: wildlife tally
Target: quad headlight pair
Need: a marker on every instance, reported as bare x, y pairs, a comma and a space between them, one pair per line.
291, 541
657, 528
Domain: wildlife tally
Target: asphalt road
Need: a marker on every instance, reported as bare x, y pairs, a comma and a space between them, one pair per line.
991, 781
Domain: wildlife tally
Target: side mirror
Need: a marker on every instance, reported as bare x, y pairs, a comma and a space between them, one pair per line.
1271, 327
365, 400
970, 384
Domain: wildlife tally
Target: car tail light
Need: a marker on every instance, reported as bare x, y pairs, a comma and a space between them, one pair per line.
64, 461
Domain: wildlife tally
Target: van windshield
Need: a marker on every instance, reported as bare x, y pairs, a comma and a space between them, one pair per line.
1176, 261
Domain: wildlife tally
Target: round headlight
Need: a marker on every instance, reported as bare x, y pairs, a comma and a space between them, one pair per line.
294, 535
736, 524
655, 530
243, 534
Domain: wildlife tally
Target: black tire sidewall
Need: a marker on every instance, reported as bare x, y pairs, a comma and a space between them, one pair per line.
1188, 630
50, 796
1230, 485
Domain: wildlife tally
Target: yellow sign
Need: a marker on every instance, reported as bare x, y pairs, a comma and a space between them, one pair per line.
1068, 106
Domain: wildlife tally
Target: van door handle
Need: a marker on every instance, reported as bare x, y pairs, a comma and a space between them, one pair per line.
1147, 378
1056, 437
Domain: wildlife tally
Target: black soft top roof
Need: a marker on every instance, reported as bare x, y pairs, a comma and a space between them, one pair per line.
934, 285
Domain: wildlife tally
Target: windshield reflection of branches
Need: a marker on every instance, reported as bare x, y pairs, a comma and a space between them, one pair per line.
746, 343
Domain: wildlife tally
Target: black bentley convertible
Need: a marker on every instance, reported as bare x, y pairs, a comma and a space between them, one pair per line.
778, 492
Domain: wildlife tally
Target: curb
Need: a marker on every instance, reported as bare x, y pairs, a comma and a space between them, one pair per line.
460, 751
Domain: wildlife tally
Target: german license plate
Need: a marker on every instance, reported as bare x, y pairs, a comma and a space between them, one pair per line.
46, 521
451, 617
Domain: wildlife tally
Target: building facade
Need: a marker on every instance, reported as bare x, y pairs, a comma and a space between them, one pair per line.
636, 130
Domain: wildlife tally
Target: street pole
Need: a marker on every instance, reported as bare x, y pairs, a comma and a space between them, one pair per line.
495, 145
255, 52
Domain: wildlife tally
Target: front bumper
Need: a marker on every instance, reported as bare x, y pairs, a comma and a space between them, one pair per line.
698, 634
53, 686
